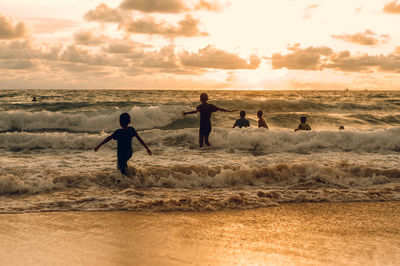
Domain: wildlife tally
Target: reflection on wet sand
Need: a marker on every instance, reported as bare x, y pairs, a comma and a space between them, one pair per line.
308, 233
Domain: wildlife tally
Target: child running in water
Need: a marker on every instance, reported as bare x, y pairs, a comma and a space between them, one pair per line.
124, 137
206, 111
261, 120
303, 125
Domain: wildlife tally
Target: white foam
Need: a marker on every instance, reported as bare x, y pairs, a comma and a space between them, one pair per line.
142, 117
252, 140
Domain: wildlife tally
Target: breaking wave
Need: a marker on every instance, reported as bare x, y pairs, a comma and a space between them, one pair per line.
254, 140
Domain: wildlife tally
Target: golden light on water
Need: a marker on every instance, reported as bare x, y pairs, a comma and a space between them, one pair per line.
299, 234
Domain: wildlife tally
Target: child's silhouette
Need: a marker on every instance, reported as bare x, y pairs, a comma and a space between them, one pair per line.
303, 125
124, 137
261, 120
205, 110
242, 121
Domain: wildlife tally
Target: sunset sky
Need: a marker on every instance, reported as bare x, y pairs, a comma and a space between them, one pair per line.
200, 44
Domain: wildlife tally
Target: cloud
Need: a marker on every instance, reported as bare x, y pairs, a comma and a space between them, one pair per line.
27, 50
10, 31
188, 27
165, 58
103, 13
17, 64
307, 11
150, 6
209, 5
80, 68
210, 57
89, 38
309, 58
167, 61
320, 58
365, 63
392, 7
75, 54
126, 46
50, 25
364, 38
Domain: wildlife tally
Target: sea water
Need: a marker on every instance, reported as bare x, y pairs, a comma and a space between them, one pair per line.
47, 161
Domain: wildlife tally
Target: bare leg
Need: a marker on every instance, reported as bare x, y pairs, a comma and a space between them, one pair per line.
206, 141
201, 137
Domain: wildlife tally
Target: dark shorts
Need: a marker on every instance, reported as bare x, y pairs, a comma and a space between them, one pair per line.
205, 130
123, 158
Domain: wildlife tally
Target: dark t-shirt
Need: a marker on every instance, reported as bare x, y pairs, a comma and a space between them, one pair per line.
206, 110
304, 126
124, 140
242, 122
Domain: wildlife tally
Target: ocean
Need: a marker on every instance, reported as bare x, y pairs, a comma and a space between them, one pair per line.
47, 161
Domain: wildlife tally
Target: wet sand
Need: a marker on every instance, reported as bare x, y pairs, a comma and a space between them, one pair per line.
291, 234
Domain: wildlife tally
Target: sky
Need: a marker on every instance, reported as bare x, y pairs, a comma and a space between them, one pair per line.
200, 44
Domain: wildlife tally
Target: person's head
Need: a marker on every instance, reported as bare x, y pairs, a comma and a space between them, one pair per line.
341, 127
259, 114
303, 119
203, 97
124, 119
242, 114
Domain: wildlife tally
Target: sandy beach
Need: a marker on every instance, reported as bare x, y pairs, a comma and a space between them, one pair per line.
361, 233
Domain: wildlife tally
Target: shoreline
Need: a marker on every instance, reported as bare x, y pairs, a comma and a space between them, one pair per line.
327, 233
205, 211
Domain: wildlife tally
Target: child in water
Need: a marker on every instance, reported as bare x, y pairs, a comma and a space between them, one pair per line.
206, 111
303, 125
261, 120
242, 121
124, 137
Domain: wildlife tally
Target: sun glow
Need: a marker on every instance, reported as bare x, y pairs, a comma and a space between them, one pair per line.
218, 44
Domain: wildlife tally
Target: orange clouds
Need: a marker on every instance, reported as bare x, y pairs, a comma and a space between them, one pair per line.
148, 6
133, 49
26, 50
320, 58
210, 6
169, 6
392, 7
364, 38
10, 31
188, 27
210, 57
87, 37
17, 64
307, 59
103, 13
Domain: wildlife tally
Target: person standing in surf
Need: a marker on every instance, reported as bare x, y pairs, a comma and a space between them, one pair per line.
206, 111
261, 120
124, 136
303, 124
242, 121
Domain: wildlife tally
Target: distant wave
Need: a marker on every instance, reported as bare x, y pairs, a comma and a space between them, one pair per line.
169, 117
143, 118
307, 105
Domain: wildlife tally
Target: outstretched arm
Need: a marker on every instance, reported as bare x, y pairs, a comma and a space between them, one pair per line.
189, 113
103, 142
144, 144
